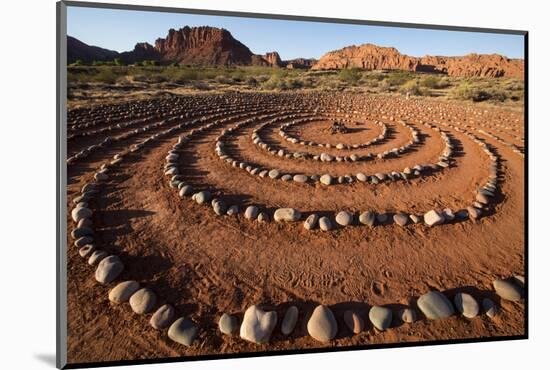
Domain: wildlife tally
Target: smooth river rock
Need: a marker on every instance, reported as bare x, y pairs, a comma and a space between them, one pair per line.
507, 289
325, 224
322, 325
311, 222
435, 305
228, 324
289, 320
367, 218
381, 317
354, 321
251, 212
287, 215
123, 291
163, 317
466, 305
183, 331
344, 218
433, 218
143, 301
258, 324
108, 269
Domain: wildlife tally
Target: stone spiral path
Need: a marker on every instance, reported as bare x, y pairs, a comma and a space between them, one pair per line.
212, 232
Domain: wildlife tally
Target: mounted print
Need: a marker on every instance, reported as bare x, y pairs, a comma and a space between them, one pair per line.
235, 184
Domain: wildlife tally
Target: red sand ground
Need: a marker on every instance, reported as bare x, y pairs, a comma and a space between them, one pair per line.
206, 265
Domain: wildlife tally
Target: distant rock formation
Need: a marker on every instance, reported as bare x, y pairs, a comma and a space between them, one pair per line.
369, 56
202, 46
301, 63
210, 46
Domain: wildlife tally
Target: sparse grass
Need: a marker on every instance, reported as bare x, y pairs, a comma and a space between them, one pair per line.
493, 90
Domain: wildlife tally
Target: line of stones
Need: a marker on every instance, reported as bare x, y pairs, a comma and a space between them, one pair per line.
218, 111
257, 324
407, 173
325, 157
142, 300
343, 218
294, 140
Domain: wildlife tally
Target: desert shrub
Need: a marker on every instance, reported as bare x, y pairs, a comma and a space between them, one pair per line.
251, 81
466, 91
223, 79
294, 84
79, 62
119, 62
384, 86
351, 75
412, 87
433, 82
398, 78
200, 85
106, 75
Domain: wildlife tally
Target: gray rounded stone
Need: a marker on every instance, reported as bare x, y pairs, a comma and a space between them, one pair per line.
219, 207
251, 212
289, 320
186, 190
354, 321
300, 178
381, 317
325, 224
79, 232
507, 289
401, 219
163, 317
287, 215
274, 174
322, 325
258, 325
97, 256
183, 331
81, 212
123, 291
361, 177
435, 305
433, 218
489, 307
80, 242
367, 218
311, 222
466, 305
86, 250
228, 324
143, 301
415, 219
203, 197
344, 218
232, 210
263, 217
326, 179
408, 315
108, 269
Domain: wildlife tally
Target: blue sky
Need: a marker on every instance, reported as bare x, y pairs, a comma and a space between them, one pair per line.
120, 30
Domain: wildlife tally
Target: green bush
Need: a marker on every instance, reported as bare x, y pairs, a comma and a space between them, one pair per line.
398, 78
351, 75
412, 87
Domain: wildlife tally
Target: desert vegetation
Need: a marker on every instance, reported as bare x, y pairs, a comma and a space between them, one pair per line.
250, 78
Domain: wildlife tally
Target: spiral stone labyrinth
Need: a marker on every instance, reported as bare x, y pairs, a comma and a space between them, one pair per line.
337, 219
